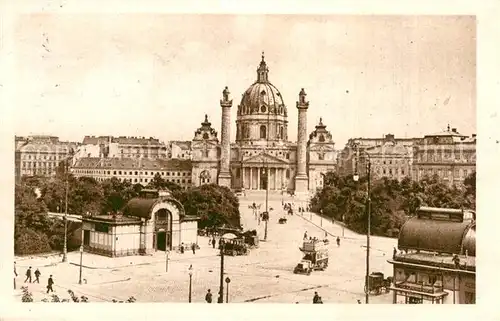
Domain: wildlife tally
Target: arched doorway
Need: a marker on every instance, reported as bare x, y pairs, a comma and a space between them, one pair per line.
204, 177
162, 239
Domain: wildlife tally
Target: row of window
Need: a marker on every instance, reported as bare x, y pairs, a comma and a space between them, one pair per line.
435, 157
444, 173
40, 164
114, 172
146, 180
43, 157
390, 171
40, 171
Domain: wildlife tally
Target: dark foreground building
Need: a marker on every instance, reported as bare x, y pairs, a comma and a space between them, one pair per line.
437, 262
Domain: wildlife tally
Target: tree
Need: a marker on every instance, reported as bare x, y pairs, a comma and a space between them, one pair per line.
159, 183
215, 205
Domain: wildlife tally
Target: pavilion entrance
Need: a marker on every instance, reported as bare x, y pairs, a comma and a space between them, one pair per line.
162, 239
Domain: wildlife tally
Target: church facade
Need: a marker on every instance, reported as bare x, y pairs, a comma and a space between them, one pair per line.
262, 156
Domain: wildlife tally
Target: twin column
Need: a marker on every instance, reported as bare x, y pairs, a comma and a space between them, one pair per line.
224, 174
301, 180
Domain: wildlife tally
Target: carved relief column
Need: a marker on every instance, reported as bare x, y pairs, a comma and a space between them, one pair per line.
301, 176
225, 174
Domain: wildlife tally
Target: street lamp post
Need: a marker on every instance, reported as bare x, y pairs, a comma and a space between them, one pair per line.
228, 280
81, 259
368, 232
221, 286
65, 247
190, 283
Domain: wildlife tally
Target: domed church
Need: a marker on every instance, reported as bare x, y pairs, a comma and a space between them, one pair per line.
262, 157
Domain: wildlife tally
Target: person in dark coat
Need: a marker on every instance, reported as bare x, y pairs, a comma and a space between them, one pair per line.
193, 247
50, 282
316, 298
37, 276
338, 241
394, 253
182, 248
213, 242
28, 275
208, 296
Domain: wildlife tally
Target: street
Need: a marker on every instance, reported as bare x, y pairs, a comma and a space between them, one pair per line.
265, 275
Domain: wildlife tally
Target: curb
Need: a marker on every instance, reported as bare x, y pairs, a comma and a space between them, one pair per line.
137, 264
320, 227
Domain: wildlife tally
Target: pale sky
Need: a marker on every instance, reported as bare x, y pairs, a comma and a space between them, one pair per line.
157, 75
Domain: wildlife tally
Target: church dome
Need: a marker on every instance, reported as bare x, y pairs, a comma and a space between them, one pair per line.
262, 97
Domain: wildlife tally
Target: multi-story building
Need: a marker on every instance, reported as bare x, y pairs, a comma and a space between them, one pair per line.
395, 152
438, 264
391, 159
135, 170
121, 147
41, 155
179, 149
448, 154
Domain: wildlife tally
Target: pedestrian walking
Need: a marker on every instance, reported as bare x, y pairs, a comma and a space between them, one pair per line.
193, 247
208, 296
326, 235
50, 282
394, 253
316, 298
37, 276
15, 275
338, 241
305, 235
213, 242
182, 248
28, 275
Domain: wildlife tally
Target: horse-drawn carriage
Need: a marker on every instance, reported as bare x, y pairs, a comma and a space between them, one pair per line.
235, 247
377, 284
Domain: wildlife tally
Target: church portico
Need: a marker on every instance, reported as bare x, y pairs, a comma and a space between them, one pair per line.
255, 178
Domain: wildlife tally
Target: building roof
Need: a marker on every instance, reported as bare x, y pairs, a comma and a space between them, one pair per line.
389, 149
133, 163
141, 207
448, 132
126, 140
430, 259
442, 236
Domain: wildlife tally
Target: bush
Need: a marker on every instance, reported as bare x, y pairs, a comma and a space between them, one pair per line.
31, 242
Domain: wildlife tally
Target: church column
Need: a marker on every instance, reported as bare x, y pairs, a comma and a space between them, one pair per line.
251, 177
283, 177
301, 175
224, 174
275, 178
258, 177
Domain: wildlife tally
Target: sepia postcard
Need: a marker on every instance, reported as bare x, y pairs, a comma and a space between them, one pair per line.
238, 157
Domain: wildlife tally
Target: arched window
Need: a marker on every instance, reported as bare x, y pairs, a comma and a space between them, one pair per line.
321, 138
263, 132
263, 109
205, 136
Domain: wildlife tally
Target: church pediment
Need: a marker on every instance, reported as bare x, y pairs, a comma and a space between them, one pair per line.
264, 158
329, 147
204, 144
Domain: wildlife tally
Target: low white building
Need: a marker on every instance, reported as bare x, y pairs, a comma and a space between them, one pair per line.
149, 223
